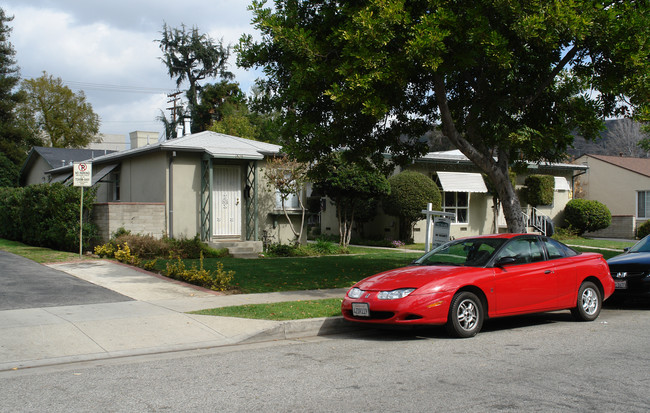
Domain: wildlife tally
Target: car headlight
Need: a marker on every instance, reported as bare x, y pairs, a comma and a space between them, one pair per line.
395, 294
355, 293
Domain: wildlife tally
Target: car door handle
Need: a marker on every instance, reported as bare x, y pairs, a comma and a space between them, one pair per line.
549, 272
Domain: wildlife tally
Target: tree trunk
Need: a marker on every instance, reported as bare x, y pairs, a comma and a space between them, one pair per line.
483, 157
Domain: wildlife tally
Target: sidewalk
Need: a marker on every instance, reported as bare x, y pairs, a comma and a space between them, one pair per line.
155, 322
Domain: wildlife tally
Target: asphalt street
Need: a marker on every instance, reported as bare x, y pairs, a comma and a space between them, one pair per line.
27, 284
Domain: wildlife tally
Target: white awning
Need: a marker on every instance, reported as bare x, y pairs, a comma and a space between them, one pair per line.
561, 184
462, 182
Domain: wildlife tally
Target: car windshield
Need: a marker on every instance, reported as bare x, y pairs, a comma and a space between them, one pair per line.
474, 252
641, 246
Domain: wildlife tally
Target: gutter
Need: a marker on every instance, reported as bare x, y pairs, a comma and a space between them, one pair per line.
170, 201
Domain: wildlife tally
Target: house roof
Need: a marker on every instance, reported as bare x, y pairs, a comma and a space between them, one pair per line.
217, 145
457, 157
638, 165
58, 157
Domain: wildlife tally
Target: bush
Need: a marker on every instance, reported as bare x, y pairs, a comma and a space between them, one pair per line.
410, 192
585, 215
539, 190
643, 230
144, 246
46, 215
218, 280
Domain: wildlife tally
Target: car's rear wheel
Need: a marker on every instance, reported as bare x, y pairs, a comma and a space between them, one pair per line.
589, 302
465, 315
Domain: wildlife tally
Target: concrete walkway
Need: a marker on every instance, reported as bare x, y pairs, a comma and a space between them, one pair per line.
156, 321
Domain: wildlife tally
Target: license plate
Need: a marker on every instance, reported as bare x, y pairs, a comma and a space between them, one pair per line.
620, 285
360, 310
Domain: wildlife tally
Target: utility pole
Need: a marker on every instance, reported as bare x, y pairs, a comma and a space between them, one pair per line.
175, 108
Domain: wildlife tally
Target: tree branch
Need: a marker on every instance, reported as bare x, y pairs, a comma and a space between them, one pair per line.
565, 60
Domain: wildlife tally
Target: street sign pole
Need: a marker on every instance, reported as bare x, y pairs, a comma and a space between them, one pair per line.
82, 176
81, 223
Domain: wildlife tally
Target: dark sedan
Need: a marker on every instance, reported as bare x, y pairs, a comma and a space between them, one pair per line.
631, 270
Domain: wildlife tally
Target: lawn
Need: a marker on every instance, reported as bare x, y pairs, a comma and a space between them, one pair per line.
306, 273
38, 254
288, 310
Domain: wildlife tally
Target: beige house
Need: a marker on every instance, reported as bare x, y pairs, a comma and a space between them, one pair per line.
465, 193
623, 185
206, 183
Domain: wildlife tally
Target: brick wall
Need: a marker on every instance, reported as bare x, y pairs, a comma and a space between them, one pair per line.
147, 218
622, 226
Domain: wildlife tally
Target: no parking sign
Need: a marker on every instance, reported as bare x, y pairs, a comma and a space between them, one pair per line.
82, 174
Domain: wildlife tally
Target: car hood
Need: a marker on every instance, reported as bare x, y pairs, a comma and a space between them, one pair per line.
630, 260
417, 276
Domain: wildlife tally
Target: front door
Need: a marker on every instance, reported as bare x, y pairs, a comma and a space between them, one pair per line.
226, 202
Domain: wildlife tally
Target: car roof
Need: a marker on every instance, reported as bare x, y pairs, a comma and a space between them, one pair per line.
503, 235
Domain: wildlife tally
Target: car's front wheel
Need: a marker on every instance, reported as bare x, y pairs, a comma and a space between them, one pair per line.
465, 315
589, 302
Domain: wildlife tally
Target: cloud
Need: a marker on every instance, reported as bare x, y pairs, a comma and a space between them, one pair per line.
108, 49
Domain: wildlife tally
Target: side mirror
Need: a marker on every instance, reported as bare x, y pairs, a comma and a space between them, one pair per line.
505, 261
626, 249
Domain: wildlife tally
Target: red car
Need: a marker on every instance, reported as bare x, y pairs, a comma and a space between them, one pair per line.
461, 283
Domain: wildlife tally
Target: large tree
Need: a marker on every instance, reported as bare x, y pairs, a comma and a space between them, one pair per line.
14, 140
191, 57
506, 81
63, 118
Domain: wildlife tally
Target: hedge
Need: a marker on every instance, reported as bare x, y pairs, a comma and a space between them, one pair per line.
46, 215
539, 189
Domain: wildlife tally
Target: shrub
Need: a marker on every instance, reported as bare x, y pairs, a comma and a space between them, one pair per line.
325, 247
585, 215
105, 251
217, 280
144, 246
410, 192
539, 189
280, 250
123, 254
46, 215
643, 229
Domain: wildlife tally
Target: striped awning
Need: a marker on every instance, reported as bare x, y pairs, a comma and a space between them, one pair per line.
462, 182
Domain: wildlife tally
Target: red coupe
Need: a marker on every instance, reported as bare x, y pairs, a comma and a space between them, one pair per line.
461, 283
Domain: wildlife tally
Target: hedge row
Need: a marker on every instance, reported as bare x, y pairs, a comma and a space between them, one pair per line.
46, 215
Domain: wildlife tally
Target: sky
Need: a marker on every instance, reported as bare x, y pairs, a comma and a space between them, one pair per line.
108, 50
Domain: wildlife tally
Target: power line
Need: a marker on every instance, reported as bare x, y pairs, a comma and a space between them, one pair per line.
110, 88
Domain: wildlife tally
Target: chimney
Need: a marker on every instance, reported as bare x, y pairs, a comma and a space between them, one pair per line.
141, 138
179, 130
188, 126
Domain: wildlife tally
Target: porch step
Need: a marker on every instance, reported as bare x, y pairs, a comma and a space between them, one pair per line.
239, 249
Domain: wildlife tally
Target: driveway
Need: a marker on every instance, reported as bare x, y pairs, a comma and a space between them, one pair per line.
26, 284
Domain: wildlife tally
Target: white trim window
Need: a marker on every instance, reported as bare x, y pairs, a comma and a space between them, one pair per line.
457, 203
643, 204
292, 201
455, 189
116, 185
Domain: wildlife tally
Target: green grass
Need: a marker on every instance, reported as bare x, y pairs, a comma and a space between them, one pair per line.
38, 254
305, 273
290, 310
597, 243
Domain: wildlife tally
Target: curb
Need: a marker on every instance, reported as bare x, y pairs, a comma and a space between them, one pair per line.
309, 327
286, 330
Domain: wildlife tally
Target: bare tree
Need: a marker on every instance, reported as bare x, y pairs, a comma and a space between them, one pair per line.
288, 177
624, 137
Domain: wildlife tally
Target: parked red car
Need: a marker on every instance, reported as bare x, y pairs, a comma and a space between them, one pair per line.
461, 283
